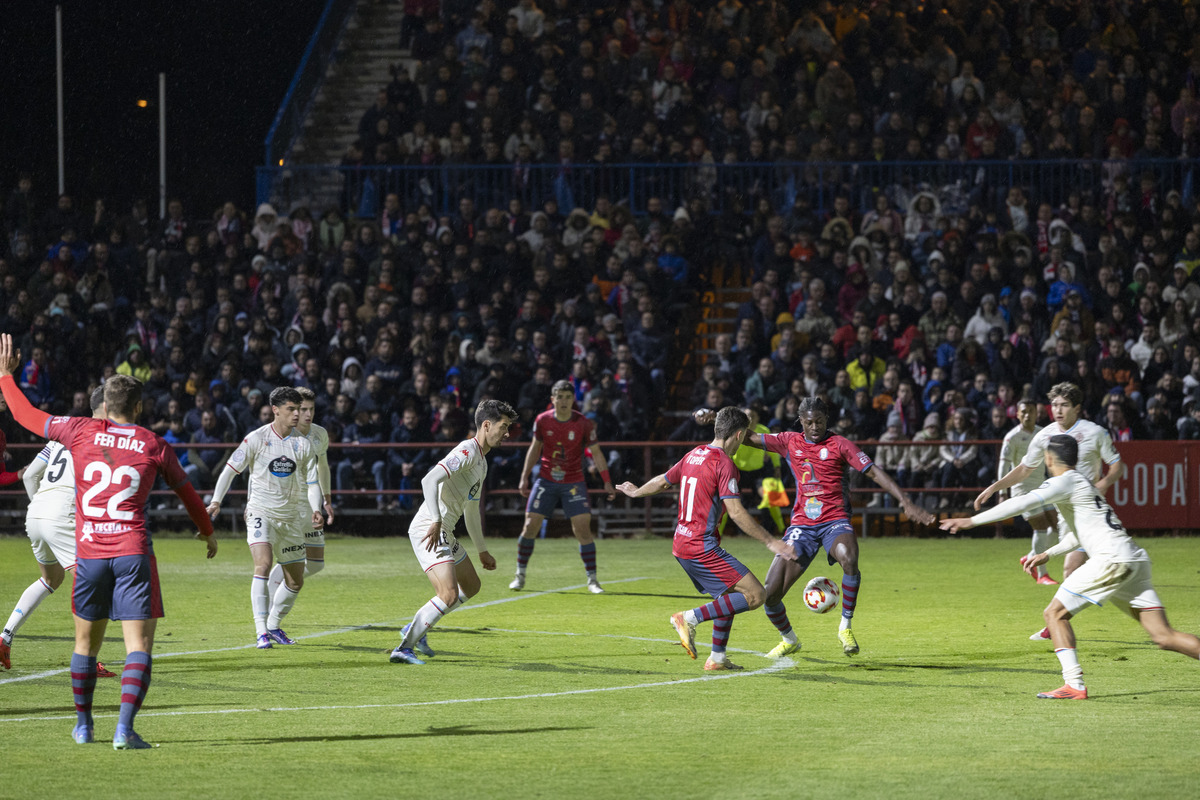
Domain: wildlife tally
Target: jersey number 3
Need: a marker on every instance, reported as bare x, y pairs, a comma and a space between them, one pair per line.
104, 478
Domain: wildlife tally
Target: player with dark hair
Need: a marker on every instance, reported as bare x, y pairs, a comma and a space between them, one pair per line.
116, 463
1012, 452
50, 524
283, 503
1095, 447
560, 437
451, 489
821, 515
314, 539
1116, 569
708, 482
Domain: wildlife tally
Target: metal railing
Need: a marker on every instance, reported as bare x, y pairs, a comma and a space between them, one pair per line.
638, 461
310, 74
956, 184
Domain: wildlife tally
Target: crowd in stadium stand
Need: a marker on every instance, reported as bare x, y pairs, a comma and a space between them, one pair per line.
919, 309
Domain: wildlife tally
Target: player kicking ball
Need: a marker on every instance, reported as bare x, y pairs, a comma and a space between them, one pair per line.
50, 523
821, 515
560, 436
283, 504
314, 539
1095, 447
707, 481
1116, 569
116, 463
451, 490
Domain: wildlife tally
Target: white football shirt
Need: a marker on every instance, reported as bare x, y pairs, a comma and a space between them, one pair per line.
318, 437
55, 495
281, 468
1095, 446
1090, 518
465, 468
1012, 452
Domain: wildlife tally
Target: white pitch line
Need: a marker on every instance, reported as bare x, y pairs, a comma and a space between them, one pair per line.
526, 596
778, 666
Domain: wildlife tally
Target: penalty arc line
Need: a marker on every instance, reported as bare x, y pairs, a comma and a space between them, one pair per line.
778, 666
350, 629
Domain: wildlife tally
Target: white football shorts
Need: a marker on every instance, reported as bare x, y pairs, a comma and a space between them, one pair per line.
1126, 584
286, 537
447, 549
52, 541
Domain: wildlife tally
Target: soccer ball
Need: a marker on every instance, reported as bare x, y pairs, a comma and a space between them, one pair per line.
820, 595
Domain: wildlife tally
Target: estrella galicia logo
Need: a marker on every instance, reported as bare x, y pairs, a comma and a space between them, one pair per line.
282, 467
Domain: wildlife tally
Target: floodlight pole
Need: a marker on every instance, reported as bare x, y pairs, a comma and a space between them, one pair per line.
58, 57
162, 145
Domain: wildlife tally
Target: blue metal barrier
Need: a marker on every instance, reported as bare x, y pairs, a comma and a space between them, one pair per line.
957, 185
289, 119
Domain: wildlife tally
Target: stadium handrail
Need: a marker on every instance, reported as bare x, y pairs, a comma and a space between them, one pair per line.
309, 74
954, 183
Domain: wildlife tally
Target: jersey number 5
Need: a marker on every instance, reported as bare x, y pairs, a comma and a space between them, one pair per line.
103, 478
60, 461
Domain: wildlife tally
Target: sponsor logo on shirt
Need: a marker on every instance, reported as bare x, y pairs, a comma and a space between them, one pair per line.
806, 473
453, 462
238, 457
282, 467
732, 486
812, 508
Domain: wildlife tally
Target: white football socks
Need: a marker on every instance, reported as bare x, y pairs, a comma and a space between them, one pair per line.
1071, 671
281, 604
31, 598
1042, 541
425, 618
259, 603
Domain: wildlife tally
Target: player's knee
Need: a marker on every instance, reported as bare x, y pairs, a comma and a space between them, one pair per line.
450, 596
755, 596
313, 566
295, 583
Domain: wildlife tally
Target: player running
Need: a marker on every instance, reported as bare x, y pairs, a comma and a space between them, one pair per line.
283, 503
1117, 568
116, 463
708, 482
1095, 445
451, 490
1012, 451
560, 436
50, 524
821, 515
314, 540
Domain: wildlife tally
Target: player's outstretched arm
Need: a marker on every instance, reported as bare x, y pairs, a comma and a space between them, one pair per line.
1012, 507
31, 419
651, 487
885, 481
531, 457
1015, 475
742, 518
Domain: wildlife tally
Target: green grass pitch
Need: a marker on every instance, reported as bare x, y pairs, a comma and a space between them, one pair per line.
555, 693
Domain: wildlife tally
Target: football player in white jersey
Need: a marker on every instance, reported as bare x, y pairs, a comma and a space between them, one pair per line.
1012, 451
314, 540
1117, 569
282, 476
451, 489
50, 523
1095, 446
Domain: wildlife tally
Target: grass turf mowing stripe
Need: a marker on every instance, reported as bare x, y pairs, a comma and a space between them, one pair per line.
777, 666
528, 596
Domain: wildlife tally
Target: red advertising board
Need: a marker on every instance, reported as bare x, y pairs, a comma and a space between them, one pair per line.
1160, 487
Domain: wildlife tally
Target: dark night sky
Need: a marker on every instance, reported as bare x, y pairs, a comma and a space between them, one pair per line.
228, 65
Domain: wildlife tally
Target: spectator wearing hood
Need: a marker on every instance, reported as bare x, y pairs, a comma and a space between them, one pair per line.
266, 223
135, 364
987, 317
